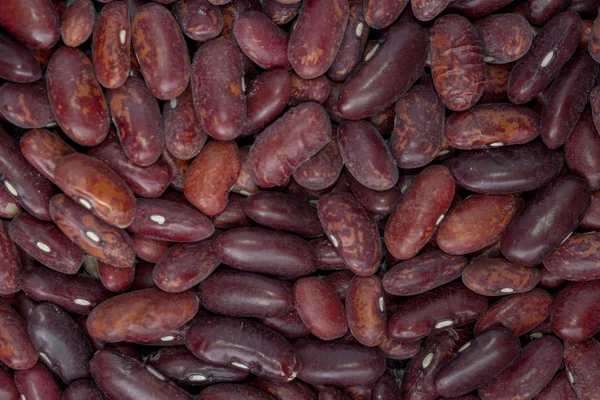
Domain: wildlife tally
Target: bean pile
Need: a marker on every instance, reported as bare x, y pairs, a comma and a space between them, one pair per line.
299, 200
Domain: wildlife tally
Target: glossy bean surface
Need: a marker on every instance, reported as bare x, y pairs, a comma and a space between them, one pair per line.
16, 350
581, 362
496, 277
574, 316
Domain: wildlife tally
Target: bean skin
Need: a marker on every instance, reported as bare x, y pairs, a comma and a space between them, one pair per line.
505, 37
582, 150
582, 362
10, 267
16, 349
199, 20
44, 149
18, 65
576, 259
558, 388
37, 383
280, 13
380, 14
77, 22
27, 105
575, 316
365, 310
34, 23
83, 389
228, 391
496, 276
184, 136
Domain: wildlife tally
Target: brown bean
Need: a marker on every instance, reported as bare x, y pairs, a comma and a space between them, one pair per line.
495, 277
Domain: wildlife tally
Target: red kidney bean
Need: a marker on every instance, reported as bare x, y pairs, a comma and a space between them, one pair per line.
492, 125
340, 282
33, 22
497, 277
115, 279
496, 83
439, 348
551, 49
169, 221
380, 14
352, 45
244, 184
567, 98
232, 11
180, 365
288, 324
211, 176
244, 294
378, 202
161, 51
365, 310
329, 393
261, 40
137, 118
561, 205
539, 12
9, 208
37, 383
457, 65
332, 101
245, 345
62, 346
366, 156
83, 389
375, 84
219, 89
26, 106
338, 363
423, 273
183, 266
398, 350
504, 37
322, 169
23, 304
16, 348
280, 13
18, 64
8, 389
582, 361
199, 20
575, 316
76, 97
451, 305
97, 188
320, 308
10, 265
476, 222
582, 150
228, 391
384, 121
293, 390
428, 10
518, 313
78, 293
306, 90
77, 22
577, 258
111, 45
44, 149
558, 388
549, 280
493, 352
46, 243
123, 377
273, 160
150, 181
418, 214
184, 136
234, 215
141, 316
352, 232
418, 127
533, 368
267, 96
507, 170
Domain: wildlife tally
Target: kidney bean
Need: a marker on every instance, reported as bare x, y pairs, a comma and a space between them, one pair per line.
211, 177
575, 316
261, 40
184, 136
561, 205
365, 310
245, 184
245, 345
16, 349
358, 392
139, 124
123, 377
37, 383
232, 11
518, 313
9, 208
492, 125
386, 388
44, 149
551, 49
10, 265
567, 98
199, 19
82, 389
504, 37
229, 391
450, 305
77, 22
352, 232
26, 106
150, 181
423, 273
380, 14
23, 304
340, 282
288, 324
496, 83
582, 150
577, 258
375, 85
219, 89
185, 265
280, 13
18, 64
398, 350
233, 216
595, 105
293, 390
497, 277
8, 389
267, 96
46, 243
549, 280
533, 368
494, 351
582, 361
539, 12
34, 23
558, 388
421, 210
507, 170
378, 202
322, 169
329, 393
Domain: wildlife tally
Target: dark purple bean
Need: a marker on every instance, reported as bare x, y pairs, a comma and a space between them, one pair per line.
288, 324
34, 23
199, 20
549, 280
575, 316
232, 11
115, 279
378, 202
321, 170
16, 348
307, 90
582, 362
83, 389
280, 13
539, 12
8, 389
293, 390
576, 259
228, 391
37, 383
505, 37
18, 64
496, 277
267, 96
184, 136
558, 388
9, 207
143, 276
23, 304
496, 83
10, 264
26, 106
380, 14
582, 150
386, 388
234, 215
